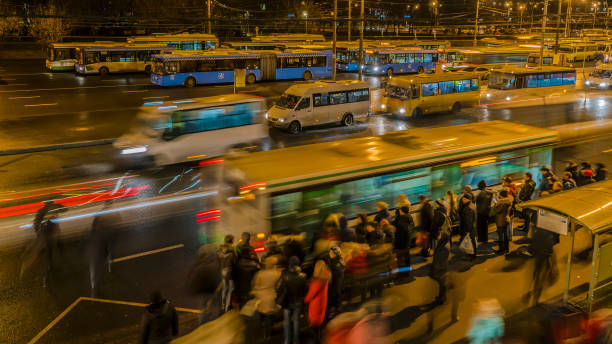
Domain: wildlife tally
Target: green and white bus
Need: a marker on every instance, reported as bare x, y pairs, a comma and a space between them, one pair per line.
117, 58
418, 95
64, 56
181, 41
280, 190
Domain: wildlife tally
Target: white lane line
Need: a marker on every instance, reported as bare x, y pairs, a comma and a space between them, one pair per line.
136, 91
162, 97
55, 321
13, 98
71, 88
33, 105
147, 253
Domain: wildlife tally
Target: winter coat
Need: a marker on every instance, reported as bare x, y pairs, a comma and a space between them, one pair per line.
585, 176
600, 174
546, 183
227, 259
294, 248
246, 268
374, 237
205, 274
573, 169
439, 265
388, 230
527, 191
438, 221
291, 288
316, 299
483, 202
502, 212
347, 234
159, 323
403, 231
568, 184
264, 289
336, 265
466, 219
381, 214
426, 216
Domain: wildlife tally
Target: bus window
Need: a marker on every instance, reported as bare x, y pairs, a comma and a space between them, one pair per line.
544, 80
569, 78
319, 99
430, 89
474, 84
304, 104
415, 91
428, 58
418, 57
531, 80
337, 98
410, 58
359, 95
446, 87
462, 85
556, 79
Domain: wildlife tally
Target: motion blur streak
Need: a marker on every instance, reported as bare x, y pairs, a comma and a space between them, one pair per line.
209, 218
252, 186
209, 212
21, 209
58, 191
210, 162
101, 196
135, 206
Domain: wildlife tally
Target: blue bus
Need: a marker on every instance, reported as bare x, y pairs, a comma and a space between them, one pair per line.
399, 61
191, 69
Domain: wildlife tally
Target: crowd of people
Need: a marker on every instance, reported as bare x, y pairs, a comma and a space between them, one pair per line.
352, 262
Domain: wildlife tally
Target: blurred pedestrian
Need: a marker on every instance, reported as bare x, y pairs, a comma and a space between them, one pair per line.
347, 234
205, 280
524, 195
41, 251
545, 270
387, 229
247, 266
568, 181
426, 217
439, 220
572, 169
546, 179
502, 221
379, 260
403, 233
336, 265
317, 296
373, 234
439, 266
452, 210
483, 210
361, 228
159, 324
100, 247
291, 289
467, 220
466, 190
487, 323
557, 186
227, 260
585, 174
402, 200
382, 212
294, 245
600, 172
274, 251
264, 290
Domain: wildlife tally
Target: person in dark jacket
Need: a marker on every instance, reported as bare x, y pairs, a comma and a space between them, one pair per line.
568, 182
382, 212
546, 179
347, 234
426, 217
291, 289
160, 322
467, 190
439, 266
247, 266
373, 234
585, 174
439, 218
502, 220
524, 195
336, 265
467, 219
403, 232
545, 263
361, 228
483, 208
600, 172
227, 260
572, 168
205, 280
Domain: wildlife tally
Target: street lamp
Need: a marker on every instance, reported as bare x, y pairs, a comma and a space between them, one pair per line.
521, 9
305, 15
594, 13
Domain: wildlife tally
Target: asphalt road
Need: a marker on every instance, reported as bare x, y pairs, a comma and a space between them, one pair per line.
90, 108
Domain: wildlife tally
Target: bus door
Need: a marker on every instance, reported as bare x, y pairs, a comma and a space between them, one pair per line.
268, 66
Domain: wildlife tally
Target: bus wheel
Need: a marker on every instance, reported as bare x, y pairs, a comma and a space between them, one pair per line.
347, 120
390, 72
190, 82
104, 71
420, 70
295, 127
417, 113
148, 69
456, 108
307, 75
250, 79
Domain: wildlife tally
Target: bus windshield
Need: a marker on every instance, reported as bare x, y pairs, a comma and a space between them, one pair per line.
151, 127
502, 81
288, 101
373, 59
566, 49
602, 73
399, 92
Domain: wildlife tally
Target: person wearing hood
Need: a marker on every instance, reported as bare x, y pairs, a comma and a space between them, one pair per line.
502, 220
600, 172
403, 231
439, 218
347, 234
568, 181
336, 265
585, 174
572, 169
483, 208
159, 324
382, 212
291, 289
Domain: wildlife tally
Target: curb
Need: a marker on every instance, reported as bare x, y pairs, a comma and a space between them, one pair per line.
56, 147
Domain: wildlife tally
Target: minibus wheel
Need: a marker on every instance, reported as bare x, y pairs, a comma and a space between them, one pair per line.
250, 79
456, 108
295, 127
420, 70
104, 71
417, 113
307, 75
390, 72
347, 120
148, 69
190, 82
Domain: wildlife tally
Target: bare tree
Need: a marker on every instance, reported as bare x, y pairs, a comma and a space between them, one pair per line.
10, 23
48, 26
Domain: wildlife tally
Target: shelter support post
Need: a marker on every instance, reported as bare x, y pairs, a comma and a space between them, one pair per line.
593, 273
569, 261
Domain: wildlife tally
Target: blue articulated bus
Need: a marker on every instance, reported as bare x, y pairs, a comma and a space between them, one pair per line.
399, 61
191, 69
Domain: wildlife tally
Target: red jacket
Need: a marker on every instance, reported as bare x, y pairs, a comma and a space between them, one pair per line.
316, 299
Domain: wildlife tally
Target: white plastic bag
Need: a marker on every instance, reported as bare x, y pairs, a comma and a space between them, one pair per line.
466, 245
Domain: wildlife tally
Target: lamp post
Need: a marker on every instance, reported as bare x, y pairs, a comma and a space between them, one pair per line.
568, 18
521, 10
594, 13
361, 27
476, 23
334, 38
544, 18
305, 15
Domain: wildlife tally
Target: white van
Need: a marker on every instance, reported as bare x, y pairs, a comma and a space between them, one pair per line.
321, 102
601, 77
194, 129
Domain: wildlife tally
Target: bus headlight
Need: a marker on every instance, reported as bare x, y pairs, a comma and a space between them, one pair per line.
383, 106
587, 82
266, 116
134, 150
376, 69
402, 111
507, 98
281, 120
488, 95
603, 84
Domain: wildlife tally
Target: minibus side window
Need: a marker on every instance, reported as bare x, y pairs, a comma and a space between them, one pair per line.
304, 103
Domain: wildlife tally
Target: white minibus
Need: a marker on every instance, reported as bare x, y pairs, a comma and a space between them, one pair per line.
194, 129
321, 102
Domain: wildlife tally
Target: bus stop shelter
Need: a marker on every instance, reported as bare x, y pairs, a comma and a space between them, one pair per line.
590, 207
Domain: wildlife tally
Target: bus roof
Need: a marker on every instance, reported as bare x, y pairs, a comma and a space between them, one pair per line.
395, 50
207, 54
162, 37
124, 46
288, 168
427, 78
290, 37
84, 44
175, 105
533, 70
301, 88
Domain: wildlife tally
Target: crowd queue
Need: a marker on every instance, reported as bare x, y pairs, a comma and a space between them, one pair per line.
348, 264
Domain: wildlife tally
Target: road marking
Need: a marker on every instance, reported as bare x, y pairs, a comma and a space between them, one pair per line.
49, 104
92, 299
13, 98
70, 88
1, 78
55, 321
14, 85
136, 91
162, 97
607, 151
147, 253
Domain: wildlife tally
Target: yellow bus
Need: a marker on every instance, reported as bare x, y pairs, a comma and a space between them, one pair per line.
279, 191
181, 41
417, 95
580, 51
